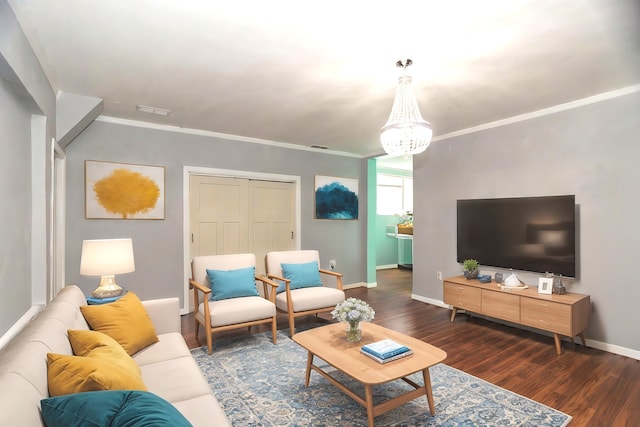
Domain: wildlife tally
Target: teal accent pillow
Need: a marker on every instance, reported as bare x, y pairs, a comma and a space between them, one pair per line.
305, 275
232, 283
114, 408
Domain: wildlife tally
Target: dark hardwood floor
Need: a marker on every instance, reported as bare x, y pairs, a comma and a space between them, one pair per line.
595, 387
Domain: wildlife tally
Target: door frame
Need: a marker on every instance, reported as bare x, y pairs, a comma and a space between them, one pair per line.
226, 173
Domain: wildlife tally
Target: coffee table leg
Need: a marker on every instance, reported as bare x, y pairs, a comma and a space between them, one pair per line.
308, 374
368, 392
427, 386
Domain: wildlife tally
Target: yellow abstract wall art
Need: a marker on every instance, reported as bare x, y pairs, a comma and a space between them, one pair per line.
123, 191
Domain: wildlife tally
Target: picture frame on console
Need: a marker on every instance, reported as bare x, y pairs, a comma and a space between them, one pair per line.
545, 285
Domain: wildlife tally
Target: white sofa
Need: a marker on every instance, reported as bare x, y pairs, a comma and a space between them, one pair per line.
168, 369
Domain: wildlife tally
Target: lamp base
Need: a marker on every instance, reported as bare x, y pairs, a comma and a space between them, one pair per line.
108, 288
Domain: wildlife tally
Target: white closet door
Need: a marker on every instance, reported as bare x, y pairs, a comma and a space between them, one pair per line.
238, 215
272, 219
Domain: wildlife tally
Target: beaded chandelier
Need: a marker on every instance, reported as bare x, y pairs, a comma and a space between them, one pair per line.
406, 132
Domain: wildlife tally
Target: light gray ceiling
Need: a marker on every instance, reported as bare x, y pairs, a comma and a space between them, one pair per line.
323, 72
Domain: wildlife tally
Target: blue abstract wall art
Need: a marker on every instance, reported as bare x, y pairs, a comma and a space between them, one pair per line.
336, 198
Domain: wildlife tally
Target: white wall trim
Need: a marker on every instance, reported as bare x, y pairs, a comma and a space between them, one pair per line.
498, 123
386, 267
20, 324
59, 224
227, 173
544, 112
41, 151
612, 348
430, 301
226, 136
355, 285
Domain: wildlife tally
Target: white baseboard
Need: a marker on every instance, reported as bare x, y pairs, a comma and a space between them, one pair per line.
430, 301
20, 324
610, 348
355, 285
386, 267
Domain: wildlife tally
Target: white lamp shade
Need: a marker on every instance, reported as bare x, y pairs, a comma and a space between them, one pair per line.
107, 257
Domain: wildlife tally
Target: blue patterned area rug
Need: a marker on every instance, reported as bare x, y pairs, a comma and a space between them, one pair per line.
261, 384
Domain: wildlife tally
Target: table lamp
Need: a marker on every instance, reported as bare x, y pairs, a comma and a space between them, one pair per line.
106, 258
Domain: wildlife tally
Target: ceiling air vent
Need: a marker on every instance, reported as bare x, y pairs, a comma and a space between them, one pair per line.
319, 147
153, 110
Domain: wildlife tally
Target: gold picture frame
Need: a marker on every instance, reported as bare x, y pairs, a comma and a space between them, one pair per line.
123, 190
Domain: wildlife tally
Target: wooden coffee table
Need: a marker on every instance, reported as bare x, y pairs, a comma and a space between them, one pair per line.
330, 344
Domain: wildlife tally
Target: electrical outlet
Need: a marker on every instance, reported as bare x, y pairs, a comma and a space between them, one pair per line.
332, 264
439, 275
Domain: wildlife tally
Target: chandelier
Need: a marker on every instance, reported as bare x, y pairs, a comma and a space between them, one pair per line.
406, 132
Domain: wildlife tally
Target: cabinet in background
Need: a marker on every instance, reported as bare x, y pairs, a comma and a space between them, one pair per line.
563, 315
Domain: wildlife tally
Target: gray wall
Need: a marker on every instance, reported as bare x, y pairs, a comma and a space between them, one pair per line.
158, 244
592, 152
24, 91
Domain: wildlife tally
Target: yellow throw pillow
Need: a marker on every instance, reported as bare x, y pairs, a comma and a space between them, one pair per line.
75, 374
124, 320
96, 344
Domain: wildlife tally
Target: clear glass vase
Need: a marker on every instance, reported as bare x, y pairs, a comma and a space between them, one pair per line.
354, 333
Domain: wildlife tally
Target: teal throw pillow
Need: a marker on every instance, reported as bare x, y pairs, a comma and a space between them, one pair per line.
232, 283
114, 408
305, 275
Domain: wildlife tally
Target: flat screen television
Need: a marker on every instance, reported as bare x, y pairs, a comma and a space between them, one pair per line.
535, 234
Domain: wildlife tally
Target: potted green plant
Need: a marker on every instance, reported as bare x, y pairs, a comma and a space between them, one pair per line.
470, 267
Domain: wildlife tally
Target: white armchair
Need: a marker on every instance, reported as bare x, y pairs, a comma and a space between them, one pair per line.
232, 299
308, 295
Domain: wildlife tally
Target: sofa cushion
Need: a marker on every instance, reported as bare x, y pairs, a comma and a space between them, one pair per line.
303, 275
169, 346
192, 410
111, 408
74, 374
232, 283
176, 379
125, 320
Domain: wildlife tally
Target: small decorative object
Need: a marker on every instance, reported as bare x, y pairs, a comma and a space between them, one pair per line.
498, 277
484, 278
512, 281
353, 311
558, 287
405, 226
545, 284
470, 267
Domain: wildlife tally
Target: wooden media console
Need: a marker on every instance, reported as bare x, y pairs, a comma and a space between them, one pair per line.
563, 315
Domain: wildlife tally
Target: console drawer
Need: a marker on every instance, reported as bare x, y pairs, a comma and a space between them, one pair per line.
501, 305
546, 315
460, 296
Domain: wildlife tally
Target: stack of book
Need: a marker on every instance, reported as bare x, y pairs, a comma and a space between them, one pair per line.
385, 351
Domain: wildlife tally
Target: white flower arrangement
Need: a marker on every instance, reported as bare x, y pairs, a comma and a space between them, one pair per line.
353, 310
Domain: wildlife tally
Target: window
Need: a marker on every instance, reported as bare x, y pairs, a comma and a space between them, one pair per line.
395, 194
